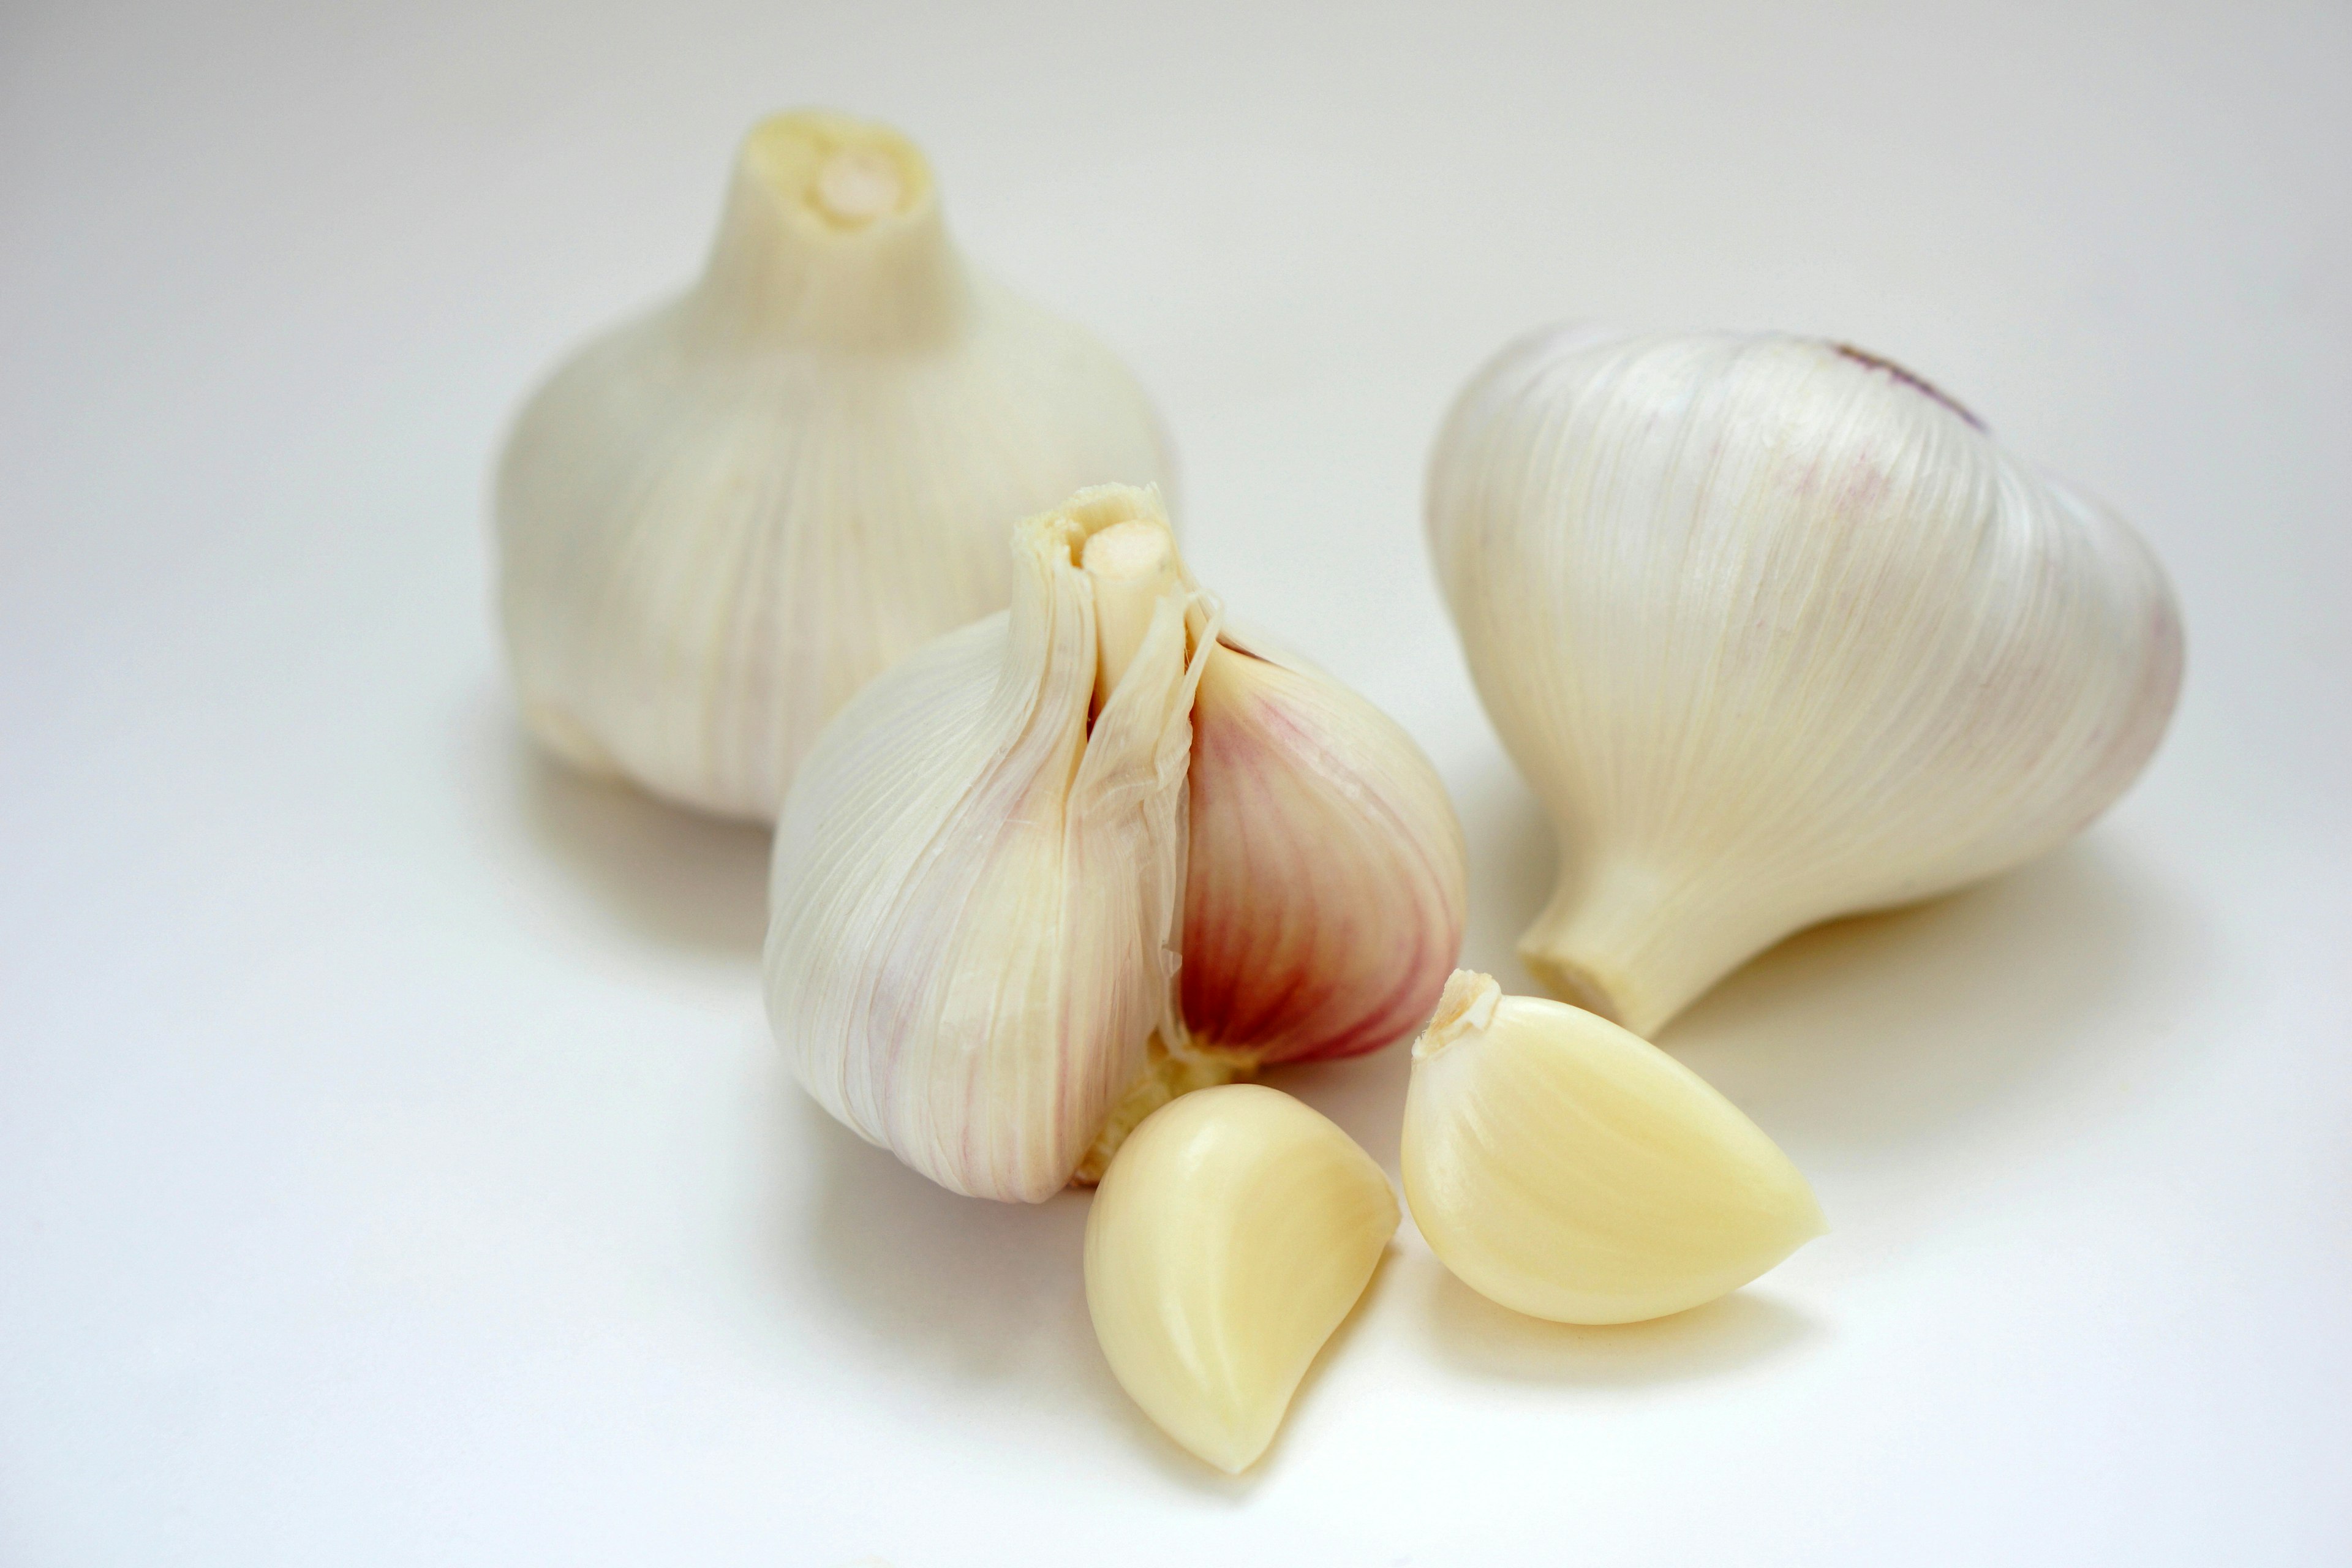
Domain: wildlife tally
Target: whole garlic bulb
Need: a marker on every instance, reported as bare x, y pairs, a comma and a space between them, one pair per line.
1058, 867
717, 521
1778, 633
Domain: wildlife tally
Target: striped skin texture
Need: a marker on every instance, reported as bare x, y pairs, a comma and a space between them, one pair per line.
973, 901
1052, 871
1325, 891
717, 521
1778, 633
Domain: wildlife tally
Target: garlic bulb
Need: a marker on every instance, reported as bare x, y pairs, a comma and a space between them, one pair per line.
1778, 633
1232, 1235
1571, 1170
717, 521
1058, 867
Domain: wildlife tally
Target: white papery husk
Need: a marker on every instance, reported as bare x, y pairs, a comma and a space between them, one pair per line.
974, 893
1778, 633
717, 521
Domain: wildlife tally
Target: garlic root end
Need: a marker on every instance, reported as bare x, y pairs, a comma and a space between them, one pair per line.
1170, 1073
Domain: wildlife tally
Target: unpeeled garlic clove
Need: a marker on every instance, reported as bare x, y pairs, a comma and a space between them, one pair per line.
974, 897
1325, 883
987, 883
1777, 632
1571, 1170
717, 522
1232, 1234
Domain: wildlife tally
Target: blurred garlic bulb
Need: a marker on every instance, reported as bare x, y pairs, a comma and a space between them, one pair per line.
717, 521
1778, 633
1568, 1170
1058, 867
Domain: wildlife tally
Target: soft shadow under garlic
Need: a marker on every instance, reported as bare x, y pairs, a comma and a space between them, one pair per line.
984, 1290
683, 880
1475, 1336
1889, 1030
965, 1291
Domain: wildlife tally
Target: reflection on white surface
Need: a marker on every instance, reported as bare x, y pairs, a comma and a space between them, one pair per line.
1474, 1336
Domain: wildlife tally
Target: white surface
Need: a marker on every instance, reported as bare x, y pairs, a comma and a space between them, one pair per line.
393, 1165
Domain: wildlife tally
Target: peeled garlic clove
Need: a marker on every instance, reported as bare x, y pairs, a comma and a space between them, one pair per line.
717, 522
973, 899
1572, 1171
1231, 1237
1778, 633
1325, 888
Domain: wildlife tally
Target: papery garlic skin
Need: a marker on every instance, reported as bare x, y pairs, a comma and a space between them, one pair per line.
1569, 1170
1018, 862
974, 891
717, 521
1326, 880
1232, 1233
1778, 633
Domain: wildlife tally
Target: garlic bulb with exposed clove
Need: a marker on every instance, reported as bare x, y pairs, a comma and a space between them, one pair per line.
1778, 633
1569, 1170
717, 521
1058, 867
1232, 1233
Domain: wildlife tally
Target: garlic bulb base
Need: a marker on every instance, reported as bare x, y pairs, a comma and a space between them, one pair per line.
1614, 946
1626, 965
1170, 1073
1578, 984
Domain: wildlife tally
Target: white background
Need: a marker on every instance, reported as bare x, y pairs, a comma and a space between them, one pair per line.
393, 1167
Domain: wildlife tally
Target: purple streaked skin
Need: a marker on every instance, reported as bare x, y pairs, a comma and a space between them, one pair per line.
1910, 378
1317, 920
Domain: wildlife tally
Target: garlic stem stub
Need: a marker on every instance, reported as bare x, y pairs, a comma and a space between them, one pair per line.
1572, 1171
1060, 866
1232, 1233
718, 521
1778, 633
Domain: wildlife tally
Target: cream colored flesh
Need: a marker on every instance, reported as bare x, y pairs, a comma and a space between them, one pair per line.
1232, 1234
1572, 1171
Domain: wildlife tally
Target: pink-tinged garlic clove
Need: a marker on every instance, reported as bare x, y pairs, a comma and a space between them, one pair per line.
1325, 878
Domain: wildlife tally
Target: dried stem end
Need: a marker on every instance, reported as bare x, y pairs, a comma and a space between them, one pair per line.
840, 174
1466, 1006
1574, 983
